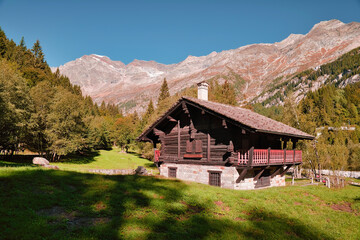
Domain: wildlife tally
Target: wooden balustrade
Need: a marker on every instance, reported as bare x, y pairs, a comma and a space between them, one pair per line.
261, 157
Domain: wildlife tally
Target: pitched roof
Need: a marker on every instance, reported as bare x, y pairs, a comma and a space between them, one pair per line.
244, 117
251, 119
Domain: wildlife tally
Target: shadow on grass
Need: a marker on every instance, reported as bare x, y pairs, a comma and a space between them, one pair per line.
15, 164
62, 205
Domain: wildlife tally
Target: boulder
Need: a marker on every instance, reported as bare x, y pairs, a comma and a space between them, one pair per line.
40, 161
140, 170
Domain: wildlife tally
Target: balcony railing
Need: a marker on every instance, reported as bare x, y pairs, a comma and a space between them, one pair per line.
261, 157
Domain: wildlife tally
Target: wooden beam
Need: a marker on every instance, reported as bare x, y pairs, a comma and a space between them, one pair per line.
276, 172
171, 119
223, 123
257, 176
286, 169
192, 130
184, 107
158, 132
251, 154
242, 173
208, 147
178, 138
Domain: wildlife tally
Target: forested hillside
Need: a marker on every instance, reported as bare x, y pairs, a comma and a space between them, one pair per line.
42, 111
344, 70
330, 113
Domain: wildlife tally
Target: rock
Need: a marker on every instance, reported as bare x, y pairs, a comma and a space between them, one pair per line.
140, 170
40, 161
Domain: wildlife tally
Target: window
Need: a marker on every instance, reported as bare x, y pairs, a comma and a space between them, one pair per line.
194, 146
172, 172
215, 178
193, 149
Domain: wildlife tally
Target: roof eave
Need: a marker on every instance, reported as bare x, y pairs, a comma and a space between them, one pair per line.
143, 136
307, 137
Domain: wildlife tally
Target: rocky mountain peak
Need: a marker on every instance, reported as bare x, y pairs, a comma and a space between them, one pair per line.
255, 66
328, 25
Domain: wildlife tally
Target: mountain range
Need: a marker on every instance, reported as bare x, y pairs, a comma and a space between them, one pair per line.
254, 66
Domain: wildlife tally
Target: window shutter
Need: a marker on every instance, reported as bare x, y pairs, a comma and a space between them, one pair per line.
198, 146
188, 146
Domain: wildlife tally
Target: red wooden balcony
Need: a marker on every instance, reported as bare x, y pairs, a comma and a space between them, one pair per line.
261, 157
257, 157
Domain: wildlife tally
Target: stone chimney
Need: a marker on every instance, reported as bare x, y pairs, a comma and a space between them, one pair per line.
203, 90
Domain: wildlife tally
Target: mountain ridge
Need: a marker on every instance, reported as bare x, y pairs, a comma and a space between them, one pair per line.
258, 64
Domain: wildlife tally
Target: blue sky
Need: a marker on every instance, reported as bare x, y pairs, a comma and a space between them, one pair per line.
159, 30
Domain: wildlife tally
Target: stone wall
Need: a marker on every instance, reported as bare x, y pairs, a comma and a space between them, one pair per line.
229, 175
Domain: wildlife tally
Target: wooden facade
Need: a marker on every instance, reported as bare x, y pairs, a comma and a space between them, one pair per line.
196, 132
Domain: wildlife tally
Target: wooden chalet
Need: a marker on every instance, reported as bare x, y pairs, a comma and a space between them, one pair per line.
222, 145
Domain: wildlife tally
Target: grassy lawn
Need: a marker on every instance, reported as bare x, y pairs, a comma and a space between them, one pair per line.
105, 159
49, 204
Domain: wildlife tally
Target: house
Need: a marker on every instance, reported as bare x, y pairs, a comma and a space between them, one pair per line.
222, 145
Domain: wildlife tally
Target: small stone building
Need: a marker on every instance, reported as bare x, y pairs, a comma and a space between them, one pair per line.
222, 145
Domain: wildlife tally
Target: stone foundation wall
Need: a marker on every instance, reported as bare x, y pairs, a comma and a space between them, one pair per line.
229, 175
200, 173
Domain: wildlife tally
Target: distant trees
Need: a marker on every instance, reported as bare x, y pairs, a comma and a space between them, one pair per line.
43, 111
222, 93
14, 107
332, 107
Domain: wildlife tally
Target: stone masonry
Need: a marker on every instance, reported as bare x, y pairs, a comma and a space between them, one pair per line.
229, 175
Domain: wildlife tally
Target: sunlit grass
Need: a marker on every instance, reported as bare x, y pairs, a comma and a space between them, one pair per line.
105, 159
48, 204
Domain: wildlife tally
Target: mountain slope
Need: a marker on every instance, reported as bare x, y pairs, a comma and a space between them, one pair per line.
257, 65
341, 72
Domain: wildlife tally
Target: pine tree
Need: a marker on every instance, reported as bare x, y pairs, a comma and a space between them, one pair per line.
39, 61
150, 110
164, 91
3, 41
22, 43
164, 97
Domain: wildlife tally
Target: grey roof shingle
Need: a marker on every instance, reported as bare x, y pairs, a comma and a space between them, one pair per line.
251, 119
246, 117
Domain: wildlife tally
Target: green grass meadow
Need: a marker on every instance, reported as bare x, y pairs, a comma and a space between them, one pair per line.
104, 159
37, 203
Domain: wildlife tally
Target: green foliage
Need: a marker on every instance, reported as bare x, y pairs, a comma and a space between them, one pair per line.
66, 128
222, 93
14, 107
164, 91
331, 107
43, 111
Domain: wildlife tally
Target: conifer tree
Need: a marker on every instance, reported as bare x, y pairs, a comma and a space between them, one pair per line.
39, 61
3, 41
164, 96
150, 110
164, 91
22, 43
